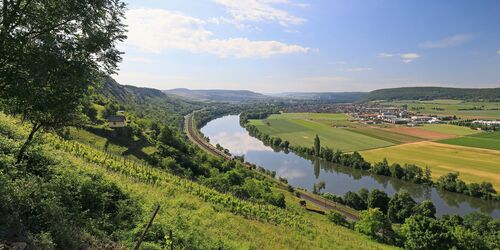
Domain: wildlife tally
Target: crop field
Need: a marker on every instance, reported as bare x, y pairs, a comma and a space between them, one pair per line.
474, 164
462, 109
386, 135
420, 133
449, 129
300, 129
488, 140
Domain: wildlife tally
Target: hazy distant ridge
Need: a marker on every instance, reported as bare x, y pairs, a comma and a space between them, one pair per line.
217, 94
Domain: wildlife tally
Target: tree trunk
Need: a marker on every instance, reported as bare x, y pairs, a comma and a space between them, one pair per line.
20, 154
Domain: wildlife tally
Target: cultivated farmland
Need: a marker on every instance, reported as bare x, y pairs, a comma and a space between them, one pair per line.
300, 129
474, 164
459, 108
489, 140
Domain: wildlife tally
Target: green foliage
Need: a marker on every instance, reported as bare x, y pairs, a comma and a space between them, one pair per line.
401, 206
374, 223
53, 53
422, 232
426, 208
378, 199
432, 93
317, 145
337, 218
452, 183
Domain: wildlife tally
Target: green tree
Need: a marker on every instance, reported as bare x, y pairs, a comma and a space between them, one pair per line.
422, 232
378, 199
317, 145
426, 208
400, 207
53, 54
374, 223
337, 218
353, 200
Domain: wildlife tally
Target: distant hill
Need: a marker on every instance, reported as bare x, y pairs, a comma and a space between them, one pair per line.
217, 95
127, 93
430, 93
325, 96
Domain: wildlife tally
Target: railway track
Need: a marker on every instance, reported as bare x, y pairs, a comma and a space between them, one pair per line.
194, 136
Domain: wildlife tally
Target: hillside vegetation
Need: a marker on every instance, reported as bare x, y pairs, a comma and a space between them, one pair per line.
431, 93
117, 196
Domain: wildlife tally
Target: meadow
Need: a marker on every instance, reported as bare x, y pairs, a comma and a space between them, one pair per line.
301, 128
474, 164
488, 140
461, 109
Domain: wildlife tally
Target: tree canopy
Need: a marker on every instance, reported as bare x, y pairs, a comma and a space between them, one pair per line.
53, 54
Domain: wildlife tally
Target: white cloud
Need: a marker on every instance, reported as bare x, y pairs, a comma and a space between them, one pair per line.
327, 79
498, 52
405, 57
448, 41
157, 30
360, 69
261, 10
409, 57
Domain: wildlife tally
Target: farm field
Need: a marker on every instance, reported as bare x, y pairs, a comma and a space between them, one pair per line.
449, 129
420, 133
488, 140
386, 135
474, 164
300, 129
462, 109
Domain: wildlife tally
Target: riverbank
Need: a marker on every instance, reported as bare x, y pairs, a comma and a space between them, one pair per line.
324, 204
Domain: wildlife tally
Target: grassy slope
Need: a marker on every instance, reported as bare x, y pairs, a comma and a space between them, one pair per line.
300, 129
486, 140
474, 165
197, 220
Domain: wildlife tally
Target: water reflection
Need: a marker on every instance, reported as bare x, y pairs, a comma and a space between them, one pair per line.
302, 171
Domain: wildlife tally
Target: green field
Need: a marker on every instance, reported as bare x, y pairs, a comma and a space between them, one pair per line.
462, 109
449, 129
396, 138
489, 140
300, 129
474, 164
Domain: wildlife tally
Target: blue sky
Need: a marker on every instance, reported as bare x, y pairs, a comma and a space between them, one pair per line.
322, 45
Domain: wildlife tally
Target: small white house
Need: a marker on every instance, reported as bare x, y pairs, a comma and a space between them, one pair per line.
117, 121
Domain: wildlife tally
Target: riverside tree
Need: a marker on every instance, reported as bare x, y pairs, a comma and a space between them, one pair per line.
317, 145
54, 52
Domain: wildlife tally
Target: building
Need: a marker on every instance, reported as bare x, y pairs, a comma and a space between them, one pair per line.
117, 121
400, 120
421, 119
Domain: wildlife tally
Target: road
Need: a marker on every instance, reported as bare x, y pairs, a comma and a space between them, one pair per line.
324, 204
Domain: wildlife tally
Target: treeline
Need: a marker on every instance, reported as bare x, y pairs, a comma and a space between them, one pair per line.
419, 228
406, 172
452, 183
469, 123
431, 93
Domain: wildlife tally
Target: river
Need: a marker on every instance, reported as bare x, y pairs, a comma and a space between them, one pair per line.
304, 172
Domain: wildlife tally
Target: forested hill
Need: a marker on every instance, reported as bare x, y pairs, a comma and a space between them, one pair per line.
112, 89
429, 93
217, 95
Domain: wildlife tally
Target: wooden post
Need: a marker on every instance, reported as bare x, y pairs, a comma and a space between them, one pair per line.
147, 227
171, 235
